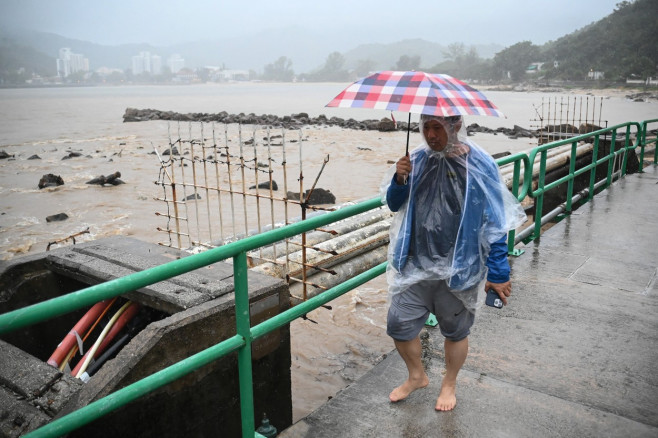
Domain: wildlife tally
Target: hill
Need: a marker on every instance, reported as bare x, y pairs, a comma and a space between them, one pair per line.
385, 56
621, 45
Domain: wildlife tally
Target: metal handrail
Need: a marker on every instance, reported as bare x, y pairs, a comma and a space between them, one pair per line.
542, 187
517, 159
644, 144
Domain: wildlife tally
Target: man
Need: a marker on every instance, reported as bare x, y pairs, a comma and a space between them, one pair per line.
453, 215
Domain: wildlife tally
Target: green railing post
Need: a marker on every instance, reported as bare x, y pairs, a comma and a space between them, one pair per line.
539, 200
611, 158
627, 150
572, 169
511, 236
592, 175
243, 325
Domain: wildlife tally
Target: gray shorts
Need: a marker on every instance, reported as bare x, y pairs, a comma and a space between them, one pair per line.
410, 309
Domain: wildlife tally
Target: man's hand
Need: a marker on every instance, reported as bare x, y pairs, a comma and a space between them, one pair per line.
504, 290
402, 169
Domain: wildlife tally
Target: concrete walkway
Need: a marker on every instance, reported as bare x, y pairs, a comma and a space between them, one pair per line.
575, 354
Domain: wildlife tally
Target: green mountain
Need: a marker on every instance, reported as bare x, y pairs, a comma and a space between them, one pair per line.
19, 62
621, 45
385, 56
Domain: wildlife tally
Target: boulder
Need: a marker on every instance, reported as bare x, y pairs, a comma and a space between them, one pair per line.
386, 125
318, 196
112, 179
266, 185
586, 128
72, 155
50, 180
57, 217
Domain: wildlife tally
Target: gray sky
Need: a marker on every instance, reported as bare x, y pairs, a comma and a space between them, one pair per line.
348, 22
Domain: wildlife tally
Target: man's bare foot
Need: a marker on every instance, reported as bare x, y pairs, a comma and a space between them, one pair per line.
409, 386
447, 399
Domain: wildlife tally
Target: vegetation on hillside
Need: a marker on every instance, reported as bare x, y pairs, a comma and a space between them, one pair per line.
621, 45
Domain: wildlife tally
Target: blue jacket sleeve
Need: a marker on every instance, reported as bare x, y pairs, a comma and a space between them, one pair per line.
396, 195
497, 263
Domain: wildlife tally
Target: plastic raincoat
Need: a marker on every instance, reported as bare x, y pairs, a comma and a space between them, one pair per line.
453, 215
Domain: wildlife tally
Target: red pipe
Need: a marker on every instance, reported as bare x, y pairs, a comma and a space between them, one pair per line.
125, 317
70, 339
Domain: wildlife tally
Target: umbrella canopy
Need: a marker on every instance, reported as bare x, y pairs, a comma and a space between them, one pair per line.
416, 92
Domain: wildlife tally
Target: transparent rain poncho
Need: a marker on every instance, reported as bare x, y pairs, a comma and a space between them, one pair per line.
451, 210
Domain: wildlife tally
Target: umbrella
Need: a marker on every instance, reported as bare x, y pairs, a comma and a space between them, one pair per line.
415, 92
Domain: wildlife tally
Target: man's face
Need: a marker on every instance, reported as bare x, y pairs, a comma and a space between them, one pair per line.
436, 134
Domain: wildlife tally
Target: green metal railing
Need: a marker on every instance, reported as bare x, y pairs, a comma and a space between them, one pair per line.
519, 192
644, 144
245, 334
540, 154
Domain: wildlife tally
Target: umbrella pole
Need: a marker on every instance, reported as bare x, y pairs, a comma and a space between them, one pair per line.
408, 129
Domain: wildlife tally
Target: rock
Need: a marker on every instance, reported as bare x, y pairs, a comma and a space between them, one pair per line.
586, 128
50, 180
57, 217
318, 196
500, 155
174, 151
34, 157
386, 125
4, 154
72, 155
266, 185
112, 179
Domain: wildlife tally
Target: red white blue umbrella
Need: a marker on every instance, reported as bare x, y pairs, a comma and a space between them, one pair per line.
416, 92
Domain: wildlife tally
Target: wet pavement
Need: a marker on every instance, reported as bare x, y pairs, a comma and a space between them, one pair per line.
574, 354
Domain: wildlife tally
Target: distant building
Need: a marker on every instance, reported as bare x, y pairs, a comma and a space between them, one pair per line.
185, 76
175, 63
534, 68
69, 63
220, 74
156, 64
146, 63
595, 75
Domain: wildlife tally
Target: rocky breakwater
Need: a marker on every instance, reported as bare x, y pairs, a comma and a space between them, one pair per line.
295, 121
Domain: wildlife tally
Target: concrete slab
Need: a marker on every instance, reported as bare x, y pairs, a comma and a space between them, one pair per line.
573, 355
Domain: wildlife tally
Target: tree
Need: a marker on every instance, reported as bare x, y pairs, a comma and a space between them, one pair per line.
364, 67
408, 63
515, 59
280, 70
454, 51
333, 69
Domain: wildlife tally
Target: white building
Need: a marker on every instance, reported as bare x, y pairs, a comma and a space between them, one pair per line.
176, 63
146, 63
69, 63
156, 64
595, 75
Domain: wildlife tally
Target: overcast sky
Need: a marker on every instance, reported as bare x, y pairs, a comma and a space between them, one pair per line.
163, 22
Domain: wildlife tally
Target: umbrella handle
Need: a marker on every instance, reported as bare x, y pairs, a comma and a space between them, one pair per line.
408, 129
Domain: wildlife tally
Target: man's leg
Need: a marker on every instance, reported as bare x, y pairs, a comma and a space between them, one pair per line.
410, 352
455, 353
